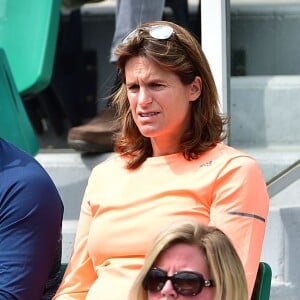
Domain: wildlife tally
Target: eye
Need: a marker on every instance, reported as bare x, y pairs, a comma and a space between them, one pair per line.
133, 88
157, 85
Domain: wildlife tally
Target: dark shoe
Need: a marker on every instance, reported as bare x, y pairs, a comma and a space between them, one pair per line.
96, 135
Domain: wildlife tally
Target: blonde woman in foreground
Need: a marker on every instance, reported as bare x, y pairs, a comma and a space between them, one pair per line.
191, 261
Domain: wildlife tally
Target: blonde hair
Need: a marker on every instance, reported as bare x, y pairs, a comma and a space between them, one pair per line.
182, 55
223, 262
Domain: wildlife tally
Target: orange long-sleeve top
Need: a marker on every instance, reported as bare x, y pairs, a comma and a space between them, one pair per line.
123, 210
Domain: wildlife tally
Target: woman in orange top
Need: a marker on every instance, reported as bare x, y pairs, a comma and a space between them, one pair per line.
170, 165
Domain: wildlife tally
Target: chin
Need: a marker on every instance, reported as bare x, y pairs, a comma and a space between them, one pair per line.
149, 133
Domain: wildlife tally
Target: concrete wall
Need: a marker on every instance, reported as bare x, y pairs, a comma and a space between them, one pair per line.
282, 242
267, 34
265, 110
265, 114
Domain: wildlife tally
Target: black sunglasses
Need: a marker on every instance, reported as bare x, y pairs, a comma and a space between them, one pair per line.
185, 283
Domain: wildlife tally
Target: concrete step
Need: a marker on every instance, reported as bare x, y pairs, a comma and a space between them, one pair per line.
280, 249
265, 111
70, 171
69, 228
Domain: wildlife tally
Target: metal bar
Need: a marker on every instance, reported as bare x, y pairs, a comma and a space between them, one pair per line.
284, 179
215, 38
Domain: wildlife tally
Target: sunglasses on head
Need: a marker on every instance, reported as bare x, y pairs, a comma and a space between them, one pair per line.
185, 283
159, 32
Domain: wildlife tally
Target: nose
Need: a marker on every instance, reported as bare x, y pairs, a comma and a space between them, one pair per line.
168, 290
144, 97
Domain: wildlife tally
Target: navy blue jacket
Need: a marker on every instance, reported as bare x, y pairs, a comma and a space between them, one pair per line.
31, 212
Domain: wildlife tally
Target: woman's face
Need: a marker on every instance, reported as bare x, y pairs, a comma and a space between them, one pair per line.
159, 102
182, 257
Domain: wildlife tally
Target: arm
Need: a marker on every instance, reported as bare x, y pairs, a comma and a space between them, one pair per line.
240, 207
80, 273
30, 225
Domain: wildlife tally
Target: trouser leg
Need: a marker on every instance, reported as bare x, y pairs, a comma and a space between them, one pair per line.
130, 14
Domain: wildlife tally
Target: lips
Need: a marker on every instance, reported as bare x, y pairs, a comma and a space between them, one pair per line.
150, 114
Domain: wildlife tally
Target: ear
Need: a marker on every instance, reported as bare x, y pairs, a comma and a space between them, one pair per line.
195, 89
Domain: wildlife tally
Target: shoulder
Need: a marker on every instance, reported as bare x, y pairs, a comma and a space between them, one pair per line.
110, 163
108, 169
226, 159
228, 153
235, 161
23, 175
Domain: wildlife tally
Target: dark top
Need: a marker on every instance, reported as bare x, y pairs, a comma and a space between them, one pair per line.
31, 212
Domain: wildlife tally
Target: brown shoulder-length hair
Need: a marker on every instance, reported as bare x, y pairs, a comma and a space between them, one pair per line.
182, 54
